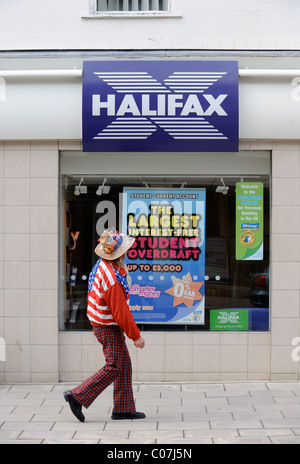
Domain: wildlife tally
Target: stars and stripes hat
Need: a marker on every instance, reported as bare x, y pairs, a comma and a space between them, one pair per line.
113, 244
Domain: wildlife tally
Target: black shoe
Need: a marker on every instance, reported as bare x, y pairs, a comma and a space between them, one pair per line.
127, 415
74, 405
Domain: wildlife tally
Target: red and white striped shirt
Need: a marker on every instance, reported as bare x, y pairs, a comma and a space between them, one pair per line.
108, 303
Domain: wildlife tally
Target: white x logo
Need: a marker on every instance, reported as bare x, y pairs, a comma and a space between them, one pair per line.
174, 87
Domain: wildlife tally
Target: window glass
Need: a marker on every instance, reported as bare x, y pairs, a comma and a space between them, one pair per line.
239, 290
132, 5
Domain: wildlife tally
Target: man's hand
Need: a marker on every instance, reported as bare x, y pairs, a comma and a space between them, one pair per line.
140, 343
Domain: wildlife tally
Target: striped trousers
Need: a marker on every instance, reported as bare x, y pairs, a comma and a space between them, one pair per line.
117, 370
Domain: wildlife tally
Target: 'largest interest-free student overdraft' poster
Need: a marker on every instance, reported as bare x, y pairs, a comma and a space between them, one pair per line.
167, 261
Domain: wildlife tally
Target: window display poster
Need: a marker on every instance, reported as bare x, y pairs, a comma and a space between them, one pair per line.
249, 221
226, 320
167, 261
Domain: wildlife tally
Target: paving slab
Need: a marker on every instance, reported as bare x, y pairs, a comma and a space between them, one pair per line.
179, 414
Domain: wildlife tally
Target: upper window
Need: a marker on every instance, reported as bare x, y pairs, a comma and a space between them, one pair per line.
132, 5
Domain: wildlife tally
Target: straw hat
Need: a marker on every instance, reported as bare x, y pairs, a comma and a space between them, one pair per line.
113, 244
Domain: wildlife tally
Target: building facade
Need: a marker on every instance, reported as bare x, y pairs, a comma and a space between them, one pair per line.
52, 214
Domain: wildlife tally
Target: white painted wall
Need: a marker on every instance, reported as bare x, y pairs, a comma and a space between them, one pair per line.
196, 24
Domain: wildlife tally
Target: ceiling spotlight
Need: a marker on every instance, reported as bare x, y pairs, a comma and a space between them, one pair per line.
80, 189
222, 188
103, 189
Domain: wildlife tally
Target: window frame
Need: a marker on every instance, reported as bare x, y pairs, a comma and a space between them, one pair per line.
95, 14
75, 165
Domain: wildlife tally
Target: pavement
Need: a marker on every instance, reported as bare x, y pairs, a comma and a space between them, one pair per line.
177, 413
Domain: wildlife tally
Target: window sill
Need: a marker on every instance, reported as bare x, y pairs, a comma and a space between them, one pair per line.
132, 15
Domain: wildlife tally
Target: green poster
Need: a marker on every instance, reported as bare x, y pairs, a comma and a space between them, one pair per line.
249, 221
224, 319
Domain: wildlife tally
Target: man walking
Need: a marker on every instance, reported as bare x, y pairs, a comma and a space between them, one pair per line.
109, 313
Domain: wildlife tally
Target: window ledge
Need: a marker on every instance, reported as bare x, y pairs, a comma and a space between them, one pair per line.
131, 15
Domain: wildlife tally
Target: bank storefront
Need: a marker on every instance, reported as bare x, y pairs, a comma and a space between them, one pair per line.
179, 155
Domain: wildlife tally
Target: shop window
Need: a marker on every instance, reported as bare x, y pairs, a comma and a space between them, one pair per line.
132, 5
236, 291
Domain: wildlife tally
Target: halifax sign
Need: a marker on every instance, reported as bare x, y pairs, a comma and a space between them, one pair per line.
157, 106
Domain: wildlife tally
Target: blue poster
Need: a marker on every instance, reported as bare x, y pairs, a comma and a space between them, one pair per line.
167, 261
159, 106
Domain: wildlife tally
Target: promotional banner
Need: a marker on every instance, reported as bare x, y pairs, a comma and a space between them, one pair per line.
249, 220
160, 106
167, 261
226, 320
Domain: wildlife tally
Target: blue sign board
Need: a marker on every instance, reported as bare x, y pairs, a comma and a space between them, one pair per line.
167, 261
157, 106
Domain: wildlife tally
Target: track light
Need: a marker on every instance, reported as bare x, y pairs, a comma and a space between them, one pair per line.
103, 189
80, 189
222, 188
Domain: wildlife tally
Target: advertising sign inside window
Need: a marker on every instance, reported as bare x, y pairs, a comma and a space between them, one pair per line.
167, 261
226, 320
249, 221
